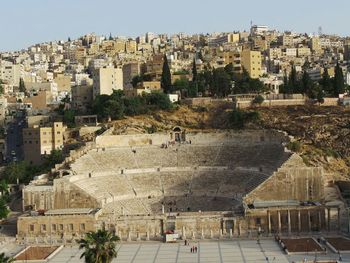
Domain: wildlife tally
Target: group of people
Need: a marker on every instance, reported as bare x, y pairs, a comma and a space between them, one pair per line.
193, 249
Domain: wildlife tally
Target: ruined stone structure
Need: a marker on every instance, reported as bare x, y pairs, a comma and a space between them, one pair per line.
200, 185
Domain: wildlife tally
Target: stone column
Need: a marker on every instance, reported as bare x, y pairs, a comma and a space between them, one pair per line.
147, 235
309, 220
202, 235
268, 222
289, 223
129, 236
329, 219
319, 221
231, 233
299, 221
183, 233
279, 221
220, 233
211, 234
239, 229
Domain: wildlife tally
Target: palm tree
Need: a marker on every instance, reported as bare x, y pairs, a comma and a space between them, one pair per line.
99, 246
5, 259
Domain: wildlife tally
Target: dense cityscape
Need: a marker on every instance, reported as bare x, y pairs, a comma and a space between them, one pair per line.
235, 137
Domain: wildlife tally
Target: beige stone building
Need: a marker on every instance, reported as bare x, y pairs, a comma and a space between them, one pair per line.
63, 82
40, 141
251, 61
106, 80
51, 225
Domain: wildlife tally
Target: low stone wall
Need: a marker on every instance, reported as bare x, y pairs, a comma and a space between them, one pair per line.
213, 138
272, 103
207, 101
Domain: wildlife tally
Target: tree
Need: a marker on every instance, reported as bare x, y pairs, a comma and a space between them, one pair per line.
221, 83
293, 85
194, 71
306, 83
3, 187
4, 211
110, 36
338, 81
166, 77
230, 70
5, 259
1, 88
15, 171
258, 100
69, 117
22, 87
69, 40
181, 84
158, 100
99, 246
55, 157
326, 82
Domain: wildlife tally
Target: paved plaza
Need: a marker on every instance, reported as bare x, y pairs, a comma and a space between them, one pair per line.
208, 251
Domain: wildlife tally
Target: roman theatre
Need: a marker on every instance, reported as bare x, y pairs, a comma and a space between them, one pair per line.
195, 184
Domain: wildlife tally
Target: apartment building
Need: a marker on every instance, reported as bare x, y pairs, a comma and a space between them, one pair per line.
10, 73
82, 97
40, 141
251, 61
130, 70
234, 58
63, 82
107, 79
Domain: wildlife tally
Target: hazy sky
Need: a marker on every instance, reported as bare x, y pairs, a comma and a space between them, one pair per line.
26, 22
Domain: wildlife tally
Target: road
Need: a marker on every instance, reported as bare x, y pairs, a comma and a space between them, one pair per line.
14, 140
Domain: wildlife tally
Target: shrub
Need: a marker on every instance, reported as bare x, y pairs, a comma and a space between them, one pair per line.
294, 146
258, 100
239, 118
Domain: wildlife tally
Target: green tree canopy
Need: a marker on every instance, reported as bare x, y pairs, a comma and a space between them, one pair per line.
1, 88
5, 259
194, 71
326, 82
22, 87
166, 77
4, 211
338, 81
99, 246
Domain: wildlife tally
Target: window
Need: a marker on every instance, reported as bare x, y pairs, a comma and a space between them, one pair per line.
44, 141
60, 227
82, 227
258, 221
53, 228
43, 228
70, 227
58, 132
31, 228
